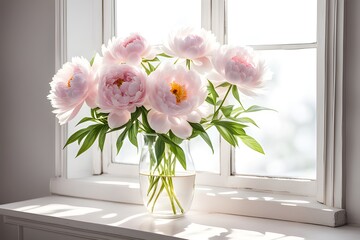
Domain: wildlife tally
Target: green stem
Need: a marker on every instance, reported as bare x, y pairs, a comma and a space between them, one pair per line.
169, 192
222, 103
157, 196
174, 195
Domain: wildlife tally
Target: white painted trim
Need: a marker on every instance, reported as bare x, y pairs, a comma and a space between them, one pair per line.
301, 187
206, 14
60, 59
292, 46
109, 19
218, 20
210, 199
330, 159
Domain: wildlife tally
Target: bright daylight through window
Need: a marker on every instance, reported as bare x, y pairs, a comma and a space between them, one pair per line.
287, 41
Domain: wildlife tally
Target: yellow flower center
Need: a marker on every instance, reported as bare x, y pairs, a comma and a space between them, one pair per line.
179, 92
119, 82
69, 81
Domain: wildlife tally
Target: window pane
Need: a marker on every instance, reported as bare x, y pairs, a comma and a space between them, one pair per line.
252, 22
288, 136
128, 153
204, 159
156, 18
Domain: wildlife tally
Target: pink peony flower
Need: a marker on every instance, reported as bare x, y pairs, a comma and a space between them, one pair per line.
175, 94
71, 86
239, 66
194, 44
130, 50
122, 88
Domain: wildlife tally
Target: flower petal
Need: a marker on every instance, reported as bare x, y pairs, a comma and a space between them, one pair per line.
158, 121
193, 117
117, 119
181, 128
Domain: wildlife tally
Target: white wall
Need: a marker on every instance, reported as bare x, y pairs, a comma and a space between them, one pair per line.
352, 110
26, 123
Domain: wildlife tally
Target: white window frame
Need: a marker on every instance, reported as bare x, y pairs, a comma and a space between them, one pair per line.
330, 183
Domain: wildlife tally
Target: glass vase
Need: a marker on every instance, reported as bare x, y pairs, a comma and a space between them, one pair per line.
166, 184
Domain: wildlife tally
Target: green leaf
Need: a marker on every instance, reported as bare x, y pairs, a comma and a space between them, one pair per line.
225, 84
93, 112
135, 115
226, 134
102, 136
159, 150
120, 140
203, 134
144, 121
176, 149
188, 63
245, 120
256, 108
233, 127
227, 110
76, 135
174, 138
164, 55
212, 91
180, 155
81, 137
92, 60
210, 100
89, 140
235, 93
132, 133
155, 59
145, 68
151, 67
252, 143
237, 111
86, 119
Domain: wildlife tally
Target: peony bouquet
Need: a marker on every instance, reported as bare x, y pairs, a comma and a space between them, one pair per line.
174, 92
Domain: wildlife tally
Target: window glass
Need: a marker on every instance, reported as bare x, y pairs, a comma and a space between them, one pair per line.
252, 22
288, 135
156, 18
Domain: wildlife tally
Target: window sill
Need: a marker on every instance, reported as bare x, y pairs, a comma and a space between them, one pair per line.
92, 219
209, 199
